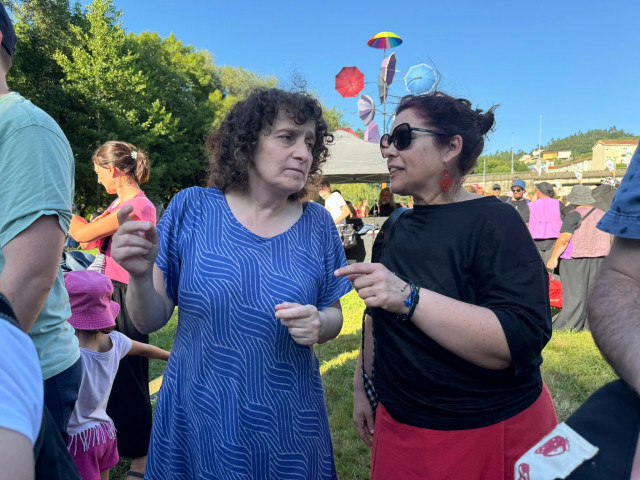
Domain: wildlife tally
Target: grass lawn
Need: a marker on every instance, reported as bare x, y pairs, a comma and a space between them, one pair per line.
573, 369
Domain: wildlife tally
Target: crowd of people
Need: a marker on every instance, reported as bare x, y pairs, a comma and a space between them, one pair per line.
447, 383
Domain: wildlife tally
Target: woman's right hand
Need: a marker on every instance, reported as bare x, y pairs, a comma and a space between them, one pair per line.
135, 244
362, 414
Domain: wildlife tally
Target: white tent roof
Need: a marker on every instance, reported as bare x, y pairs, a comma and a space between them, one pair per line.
354, 161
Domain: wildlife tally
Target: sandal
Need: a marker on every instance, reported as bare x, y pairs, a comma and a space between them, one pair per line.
135, 474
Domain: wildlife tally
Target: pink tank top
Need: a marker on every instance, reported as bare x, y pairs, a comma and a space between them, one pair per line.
145, 211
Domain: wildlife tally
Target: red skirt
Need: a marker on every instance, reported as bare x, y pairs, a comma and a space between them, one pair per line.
488, 453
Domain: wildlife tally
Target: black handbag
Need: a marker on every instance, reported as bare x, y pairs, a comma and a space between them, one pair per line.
376, 255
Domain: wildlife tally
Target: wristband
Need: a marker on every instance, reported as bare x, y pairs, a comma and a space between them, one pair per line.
411, 301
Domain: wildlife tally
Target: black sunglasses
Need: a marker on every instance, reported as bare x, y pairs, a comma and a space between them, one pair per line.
401, 136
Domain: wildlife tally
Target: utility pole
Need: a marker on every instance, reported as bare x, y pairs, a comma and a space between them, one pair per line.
511, 153
540, 138
484, 171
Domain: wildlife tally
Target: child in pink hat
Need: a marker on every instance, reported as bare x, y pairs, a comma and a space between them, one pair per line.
92, 436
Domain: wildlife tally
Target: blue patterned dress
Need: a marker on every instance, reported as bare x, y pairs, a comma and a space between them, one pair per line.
240, 399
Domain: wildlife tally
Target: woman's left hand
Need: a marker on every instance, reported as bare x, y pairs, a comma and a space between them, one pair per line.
377, 286
303, 322
552, 263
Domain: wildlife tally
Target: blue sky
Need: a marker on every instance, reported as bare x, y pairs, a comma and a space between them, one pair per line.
575, 63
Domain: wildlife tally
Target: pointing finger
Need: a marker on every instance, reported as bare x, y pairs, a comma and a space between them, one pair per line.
356, 268
123, 214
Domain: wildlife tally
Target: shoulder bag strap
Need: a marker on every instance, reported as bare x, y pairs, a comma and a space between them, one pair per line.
384, 234
104, 246
582, 218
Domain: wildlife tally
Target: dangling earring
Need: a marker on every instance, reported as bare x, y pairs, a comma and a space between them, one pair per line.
445, 180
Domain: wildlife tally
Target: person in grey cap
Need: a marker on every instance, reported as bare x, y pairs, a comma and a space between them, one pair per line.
36, 193
582, 247
545, 219
496, 191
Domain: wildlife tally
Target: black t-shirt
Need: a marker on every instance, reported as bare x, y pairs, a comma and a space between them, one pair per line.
479, 252
570, 222
521, 207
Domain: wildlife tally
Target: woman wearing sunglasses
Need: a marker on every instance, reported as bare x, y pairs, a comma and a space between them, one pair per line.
460, 311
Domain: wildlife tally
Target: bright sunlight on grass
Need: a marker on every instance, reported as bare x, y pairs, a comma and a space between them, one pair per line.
573, 368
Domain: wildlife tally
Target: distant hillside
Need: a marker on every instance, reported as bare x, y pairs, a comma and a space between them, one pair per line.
500, 162
581, 143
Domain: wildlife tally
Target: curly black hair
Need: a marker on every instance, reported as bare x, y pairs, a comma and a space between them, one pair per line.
233, 144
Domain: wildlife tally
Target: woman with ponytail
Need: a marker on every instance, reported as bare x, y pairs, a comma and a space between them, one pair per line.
459, 309
121, 168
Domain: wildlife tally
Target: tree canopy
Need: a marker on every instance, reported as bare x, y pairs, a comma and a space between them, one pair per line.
100, 83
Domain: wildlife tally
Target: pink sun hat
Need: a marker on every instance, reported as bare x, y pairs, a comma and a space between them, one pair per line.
90, 297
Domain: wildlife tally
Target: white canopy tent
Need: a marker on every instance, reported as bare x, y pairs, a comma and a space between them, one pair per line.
353, 160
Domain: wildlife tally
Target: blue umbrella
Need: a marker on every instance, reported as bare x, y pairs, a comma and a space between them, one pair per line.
420, 79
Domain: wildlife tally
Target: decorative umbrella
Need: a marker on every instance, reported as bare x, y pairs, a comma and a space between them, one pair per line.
383, 89
420, 79
372, 134
384, 40
349, 81
366, 109
388, 68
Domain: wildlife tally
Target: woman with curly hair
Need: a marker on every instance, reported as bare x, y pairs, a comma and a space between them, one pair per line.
251, 267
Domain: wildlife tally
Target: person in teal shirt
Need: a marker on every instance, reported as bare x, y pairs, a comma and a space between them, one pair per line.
36, 194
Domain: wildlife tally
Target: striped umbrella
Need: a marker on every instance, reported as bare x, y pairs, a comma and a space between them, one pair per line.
384, 40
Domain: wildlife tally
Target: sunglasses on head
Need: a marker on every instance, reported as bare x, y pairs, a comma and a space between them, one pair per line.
401, 136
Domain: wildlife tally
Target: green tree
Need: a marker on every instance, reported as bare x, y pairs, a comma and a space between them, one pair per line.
236, 84
500, 162
43, 27
581, 144
184, 79
334, 118
108, 92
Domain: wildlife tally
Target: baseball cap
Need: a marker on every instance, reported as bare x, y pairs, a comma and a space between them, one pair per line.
496, 187
9, 39
519, 183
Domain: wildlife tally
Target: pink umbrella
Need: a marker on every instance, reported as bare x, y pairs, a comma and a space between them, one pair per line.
388, 68
366, 109
372, 134
349, 81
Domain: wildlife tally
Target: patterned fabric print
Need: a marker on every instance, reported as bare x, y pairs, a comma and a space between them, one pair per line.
623, 218
240, 399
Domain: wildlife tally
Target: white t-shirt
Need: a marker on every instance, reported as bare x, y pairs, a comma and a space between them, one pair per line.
98, 371
334, 204
21, 385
